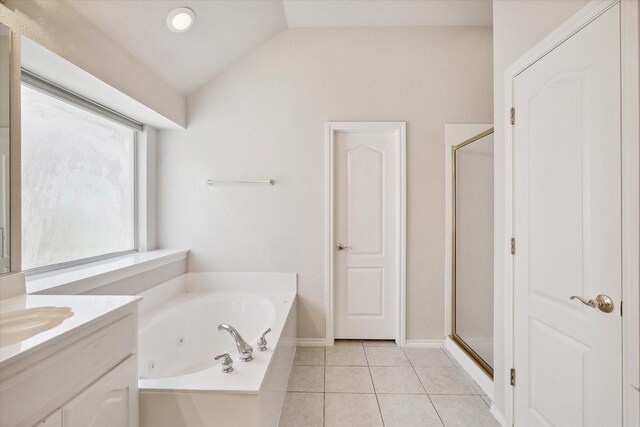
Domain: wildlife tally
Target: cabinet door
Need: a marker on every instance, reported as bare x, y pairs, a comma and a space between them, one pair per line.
52, 420
112, 401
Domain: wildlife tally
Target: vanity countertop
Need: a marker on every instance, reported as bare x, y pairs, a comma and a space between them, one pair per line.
88, 311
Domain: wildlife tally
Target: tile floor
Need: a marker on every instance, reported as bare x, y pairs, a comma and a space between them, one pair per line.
377, 384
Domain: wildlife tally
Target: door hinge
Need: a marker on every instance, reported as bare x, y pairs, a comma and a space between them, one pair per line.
513, 377
513, 246
620, 308
512, 116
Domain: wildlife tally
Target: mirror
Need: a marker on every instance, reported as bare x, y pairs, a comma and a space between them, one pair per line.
472, 275
5, 117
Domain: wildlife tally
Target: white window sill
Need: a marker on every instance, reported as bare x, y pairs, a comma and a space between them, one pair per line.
80, 279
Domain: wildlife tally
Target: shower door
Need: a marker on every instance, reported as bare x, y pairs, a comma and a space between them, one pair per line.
472, 255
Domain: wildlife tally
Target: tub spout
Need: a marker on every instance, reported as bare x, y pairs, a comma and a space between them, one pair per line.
245, 350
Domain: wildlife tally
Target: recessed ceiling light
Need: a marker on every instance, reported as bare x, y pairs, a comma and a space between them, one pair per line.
180, 19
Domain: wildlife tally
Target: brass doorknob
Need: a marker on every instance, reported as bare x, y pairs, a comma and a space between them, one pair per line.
602, 303
342, 247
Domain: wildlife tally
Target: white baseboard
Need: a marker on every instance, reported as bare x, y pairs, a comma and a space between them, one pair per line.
312, 342
424, 343
321, 342
469, 365
497, 414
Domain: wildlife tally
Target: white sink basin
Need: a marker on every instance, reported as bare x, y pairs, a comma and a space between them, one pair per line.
19, 325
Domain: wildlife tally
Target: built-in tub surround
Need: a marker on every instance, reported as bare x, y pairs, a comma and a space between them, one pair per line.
181, 384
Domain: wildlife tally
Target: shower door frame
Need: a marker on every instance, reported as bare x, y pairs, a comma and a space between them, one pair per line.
477, 359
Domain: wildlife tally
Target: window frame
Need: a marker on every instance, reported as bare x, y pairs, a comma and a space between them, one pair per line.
60, 93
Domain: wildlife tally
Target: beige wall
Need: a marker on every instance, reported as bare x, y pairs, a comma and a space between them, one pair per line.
264, 118
518, 25
59, 28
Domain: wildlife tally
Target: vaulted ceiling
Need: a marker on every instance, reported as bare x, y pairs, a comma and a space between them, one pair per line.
226, 30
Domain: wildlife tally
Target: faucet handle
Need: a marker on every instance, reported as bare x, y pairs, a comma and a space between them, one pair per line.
227, 362
262, 342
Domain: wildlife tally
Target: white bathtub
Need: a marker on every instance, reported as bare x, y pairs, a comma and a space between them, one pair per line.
180, 382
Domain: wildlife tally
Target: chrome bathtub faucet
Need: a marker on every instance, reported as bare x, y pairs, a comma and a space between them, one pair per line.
227, 362
262, 342
245, 350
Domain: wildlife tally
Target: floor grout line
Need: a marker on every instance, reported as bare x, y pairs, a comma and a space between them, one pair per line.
425, 389
436, 409
418, 376
373, 384
375, 391
324, 393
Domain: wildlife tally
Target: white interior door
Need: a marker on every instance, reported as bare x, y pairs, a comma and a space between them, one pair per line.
567, 225
366, 222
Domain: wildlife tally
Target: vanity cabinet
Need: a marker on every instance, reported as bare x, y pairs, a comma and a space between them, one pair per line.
89, 381
110, 401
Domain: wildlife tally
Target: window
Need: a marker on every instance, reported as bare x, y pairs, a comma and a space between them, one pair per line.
78, 181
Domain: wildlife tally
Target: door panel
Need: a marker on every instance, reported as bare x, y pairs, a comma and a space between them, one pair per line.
567, 224
369, 282
365, 198
557, 390
366, 214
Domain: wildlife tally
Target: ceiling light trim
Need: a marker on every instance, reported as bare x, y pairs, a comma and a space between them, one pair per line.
181, 19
